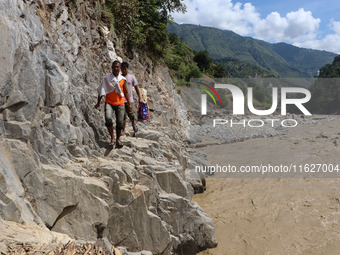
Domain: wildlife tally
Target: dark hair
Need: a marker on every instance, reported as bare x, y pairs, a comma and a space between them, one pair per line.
115, 62
125, 65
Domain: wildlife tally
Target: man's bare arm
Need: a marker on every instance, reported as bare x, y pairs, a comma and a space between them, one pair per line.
98, 102
140, 99
127, 96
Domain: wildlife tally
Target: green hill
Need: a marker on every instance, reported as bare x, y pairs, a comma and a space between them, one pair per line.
280, 60
331, 70
326, 90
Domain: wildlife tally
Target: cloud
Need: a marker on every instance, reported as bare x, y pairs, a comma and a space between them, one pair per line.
222, 14
273, 28
296, 27
329, 43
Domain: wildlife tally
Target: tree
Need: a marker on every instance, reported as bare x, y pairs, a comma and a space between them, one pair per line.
143, 23
203, 60
219, 71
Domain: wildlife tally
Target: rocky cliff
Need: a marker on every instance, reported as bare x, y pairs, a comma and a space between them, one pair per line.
57, 172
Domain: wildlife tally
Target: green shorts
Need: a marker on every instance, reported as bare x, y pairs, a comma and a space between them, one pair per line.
132, 114
118, 110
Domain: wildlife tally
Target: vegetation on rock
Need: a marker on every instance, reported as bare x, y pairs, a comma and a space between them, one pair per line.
326, 90
142, 23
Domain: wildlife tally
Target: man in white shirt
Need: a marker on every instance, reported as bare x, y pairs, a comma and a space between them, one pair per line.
114, 88
131, 82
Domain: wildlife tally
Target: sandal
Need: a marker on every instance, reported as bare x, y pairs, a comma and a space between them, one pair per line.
136, 128
112, 143
119, 144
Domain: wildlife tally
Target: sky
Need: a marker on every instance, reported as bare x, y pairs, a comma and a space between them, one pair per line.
303, 23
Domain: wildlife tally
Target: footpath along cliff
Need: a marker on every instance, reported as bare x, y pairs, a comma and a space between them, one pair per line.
57, 173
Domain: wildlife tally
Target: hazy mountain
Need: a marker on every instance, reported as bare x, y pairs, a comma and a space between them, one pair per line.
280, 59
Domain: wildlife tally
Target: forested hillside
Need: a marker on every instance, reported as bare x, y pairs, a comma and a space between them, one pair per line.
280, 60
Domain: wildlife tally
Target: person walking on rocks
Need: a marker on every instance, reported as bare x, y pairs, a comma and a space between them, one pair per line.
114, 87
131, 82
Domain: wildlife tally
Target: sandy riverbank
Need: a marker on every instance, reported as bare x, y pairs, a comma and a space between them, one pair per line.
272, 215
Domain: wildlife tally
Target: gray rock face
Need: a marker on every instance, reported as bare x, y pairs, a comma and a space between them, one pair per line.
57, 171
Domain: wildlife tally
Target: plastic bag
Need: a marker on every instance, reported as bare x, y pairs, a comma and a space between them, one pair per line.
143, 112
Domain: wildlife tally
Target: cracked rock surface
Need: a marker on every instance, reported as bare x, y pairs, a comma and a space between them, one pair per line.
57, 172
